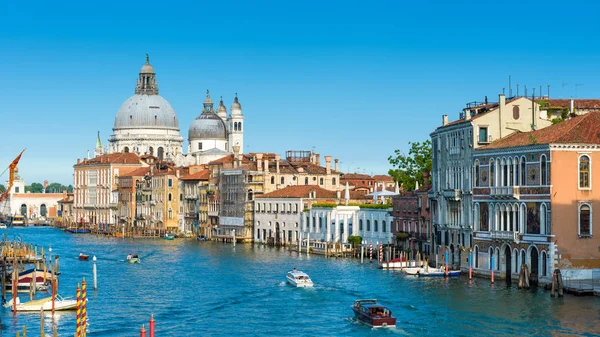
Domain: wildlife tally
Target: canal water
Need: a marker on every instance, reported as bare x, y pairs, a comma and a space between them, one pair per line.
214, 289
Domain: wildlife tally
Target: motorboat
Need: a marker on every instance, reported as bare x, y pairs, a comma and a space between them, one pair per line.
169, 236
299, 279
432, 272
45, 304
368, 311
83, 257
41, 278
133, 259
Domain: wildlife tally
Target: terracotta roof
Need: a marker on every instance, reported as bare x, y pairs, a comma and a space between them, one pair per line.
142, 171
583, 129
383, 177
356, 176
577, 103
65, 201
112, 158
200, 175
301, 191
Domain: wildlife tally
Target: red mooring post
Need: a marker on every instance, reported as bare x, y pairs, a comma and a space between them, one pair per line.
14, 289
143, 331
152, 326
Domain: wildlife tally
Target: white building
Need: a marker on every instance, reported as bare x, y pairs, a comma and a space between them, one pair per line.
146, 123
213, 135
30, 205
335, 224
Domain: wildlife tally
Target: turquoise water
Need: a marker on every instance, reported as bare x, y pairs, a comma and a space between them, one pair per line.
214, 289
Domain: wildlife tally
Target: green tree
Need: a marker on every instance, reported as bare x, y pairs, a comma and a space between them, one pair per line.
408, 169
2, 188
34, 188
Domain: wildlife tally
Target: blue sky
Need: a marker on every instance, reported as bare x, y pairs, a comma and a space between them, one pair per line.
354, 80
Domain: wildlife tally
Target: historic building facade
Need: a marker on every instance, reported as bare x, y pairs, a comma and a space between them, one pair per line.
533, 200
452, 151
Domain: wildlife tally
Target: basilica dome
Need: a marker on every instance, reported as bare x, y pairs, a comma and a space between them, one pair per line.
207, 126
146, 112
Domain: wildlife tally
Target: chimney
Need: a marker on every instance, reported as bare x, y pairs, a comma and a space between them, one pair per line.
445, 120
259, 161
78, 161
328, 164
277, 158
236, 152
467, 115
336, 164
425, 178
501, 107
318, 159
572, 107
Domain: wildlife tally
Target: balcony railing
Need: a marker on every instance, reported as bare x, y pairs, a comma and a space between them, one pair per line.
504, 235
452, 194
505, 192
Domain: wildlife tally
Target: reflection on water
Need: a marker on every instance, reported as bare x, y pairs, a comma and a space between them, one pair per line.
205, 288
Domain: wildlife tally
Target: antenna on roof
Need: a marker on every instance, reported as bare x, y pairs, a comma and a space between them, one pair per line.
517, 90
525, 90
509, 87
502, 91
548, 91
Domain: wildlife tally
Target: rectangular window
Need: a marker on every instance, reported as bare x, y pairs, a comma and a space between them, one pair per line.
584, 172
170, 182
17, 189
199, 146
483, 134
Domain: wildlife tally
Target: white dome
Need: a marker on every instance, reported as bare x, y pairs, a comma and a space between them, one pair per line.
146, 112
207, 126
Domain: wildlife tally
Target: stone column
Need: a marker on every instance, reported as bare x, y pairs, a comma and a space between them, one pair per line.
344, 238
328, 226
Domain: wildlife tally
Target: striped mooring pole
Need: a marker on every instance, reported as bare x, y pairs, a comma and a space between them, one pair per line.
83, 308
78, 315
371, 252
381, 253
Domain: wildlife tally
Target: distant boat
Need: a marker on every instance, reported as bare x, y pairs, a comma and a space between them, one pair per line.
373, 314
77, 231
133, 259
44, 303
83, 257
169, 236
299, 279
2, 226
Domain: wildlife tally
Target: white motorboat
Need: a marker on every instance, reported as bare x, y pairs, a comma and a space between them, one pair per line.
44, 303
299, 279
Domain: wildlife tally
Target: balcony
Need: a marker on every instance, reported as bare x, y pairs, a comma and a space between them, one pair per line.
505, 192
452, 194
191, 196
504, 236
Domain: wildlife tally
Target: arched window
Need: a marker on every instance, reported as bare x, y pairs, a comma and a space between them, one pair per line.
584, 171
43, 210
543, 219
126, 149
282, 180
523, 171
333, 181
306, 181
585, 221
375, 227
544, 264
321, 181
368, 225
272, 180
234, 126
169, 198
544, 170
240, 126
151, 150
170, 214
492, 171
516, 112
161, 153
250, 195
476, 180
360, 228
